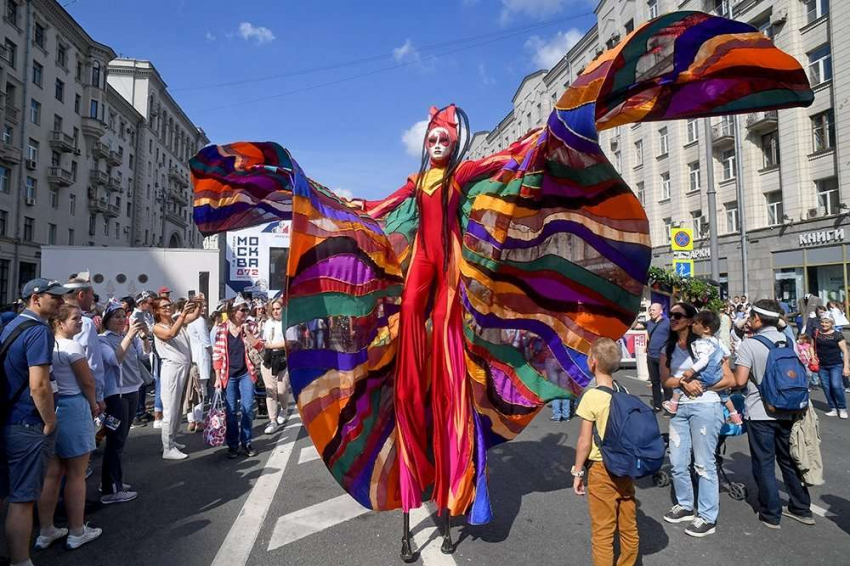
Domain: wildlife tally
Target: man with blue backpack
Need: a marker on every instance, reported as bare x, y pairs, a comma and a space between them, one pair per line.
776, 394
618, 442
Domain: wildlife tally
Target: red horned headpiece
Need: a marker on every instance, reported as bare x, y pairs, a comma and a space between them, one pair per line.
445, 118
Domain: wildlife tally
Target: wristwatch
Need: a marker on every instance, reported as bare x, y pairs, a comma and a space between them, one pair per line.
576, 474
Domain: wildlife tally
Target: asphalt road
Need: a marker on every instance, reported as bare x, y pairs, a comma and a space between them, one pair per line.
282, 507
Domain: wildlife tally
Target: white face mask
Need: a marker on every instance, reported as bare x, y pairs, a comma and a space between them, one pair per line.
440, 145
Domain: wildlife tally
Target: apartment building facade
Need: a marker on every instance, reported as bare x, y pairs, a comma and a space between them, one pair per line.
73, 148
779, 176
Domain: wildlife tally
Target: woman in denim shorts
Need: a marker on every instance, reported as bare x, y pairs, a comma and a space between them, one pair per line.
75, 411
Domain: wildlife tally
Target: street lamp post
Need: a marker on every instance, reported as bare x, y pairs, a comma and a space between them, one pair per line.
711, 193
742, 217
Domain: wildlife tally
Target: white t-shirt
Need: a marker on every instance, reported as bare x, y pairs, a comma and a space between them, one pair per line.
680, 362
65, 353
273, 331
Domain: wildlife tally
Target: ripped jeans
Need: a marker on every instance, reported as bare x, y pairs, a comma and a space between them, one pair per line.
695, 427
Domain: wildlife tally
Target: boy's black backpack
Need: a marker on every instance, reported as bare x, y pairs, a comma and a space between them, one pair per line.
632, 446
7, 401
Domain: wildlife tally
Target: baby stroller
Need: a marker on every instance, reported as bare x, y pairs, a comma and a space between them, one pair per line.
736, 490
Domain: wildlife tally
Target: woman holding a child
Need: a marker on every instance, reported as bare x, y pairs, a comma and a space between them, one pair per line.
694, 428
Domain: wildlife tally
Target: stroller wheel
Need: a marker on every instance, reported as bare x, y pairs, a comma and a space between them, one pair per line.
661, 478
737, 491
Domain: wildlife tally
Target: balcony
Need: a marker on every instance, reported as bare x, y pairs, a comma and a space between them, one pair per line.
12, 113
99, 150
114, 185
98, 205
112, 211
93, 127
176, 175
98, 177
60, 141
763, 122
176, 217
723, 135
178, 196
58, 177
114, 158
10, 153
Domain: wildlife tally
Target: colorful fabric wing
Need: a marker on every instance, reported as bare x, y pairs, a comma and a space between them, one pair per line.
555, 247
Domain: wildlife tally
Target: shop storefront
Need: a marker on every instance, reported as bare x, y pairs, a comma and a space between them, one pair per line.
818, 265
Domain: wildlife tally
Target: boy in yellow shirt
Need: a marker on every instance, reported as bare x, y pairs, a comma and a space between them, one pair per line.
610, 499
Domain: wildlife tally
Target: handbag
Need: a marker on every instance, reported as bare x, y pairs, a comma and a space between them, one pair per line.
814, 363
215, 423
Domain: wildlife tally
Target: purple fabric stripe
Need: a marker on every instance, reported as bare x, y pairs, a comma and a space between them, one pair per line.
507, 391
342, 267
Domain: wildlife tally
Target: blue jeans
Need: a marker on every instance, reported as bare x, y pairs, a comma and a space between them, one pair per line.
695, 427
833, 386
240, 386
562, 409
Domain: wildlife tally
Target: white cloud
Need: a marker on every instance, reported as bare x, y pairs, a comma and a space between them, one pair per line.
258, 34
406, 53
413, 137
546, 54
536, 9
485, 78
344, 193
210, 36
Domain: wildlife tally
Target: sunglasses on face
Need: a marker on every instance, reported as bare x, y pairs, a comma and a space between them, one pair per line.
677, 315
168, 306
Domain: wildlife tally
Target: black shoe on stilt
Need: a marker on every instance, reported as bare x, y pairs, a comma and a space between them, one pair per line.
408, 553
448, 546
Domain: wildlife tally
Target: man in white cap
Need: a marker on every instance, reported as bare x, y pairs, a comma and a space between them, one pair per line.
81, 294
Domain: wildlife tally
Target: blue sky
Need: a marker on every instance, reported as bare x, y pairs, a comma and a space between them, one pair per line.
348, 135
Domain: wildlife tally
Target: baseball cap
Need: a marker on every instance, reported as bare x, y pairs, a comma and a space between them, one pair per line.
145, 296
41, 285
164, 289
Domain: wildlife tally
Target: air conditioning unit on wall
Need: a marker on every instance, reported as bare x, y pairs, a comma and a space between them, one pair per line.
32, 164
30, 202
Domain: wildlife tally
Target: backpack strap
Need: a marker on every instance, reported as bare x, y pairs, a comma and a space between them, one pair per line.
4, 349
767, 343
610, 392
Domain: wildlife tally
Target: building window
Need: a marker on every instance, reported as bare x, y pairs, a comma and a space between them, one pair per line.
618, 161
54, 198
638, 153
693, 130
653, 8
828, 196
775, 213
77, 101
32, 150
700, 224
770, 149
12, 12
35, 111
79, 72
32, 188
765, 27
5, 265
51, 234
60, 91
92, 225
117, 230
39, 35
823, 131
37, 73
665, 186
105, 226
95, 74
72, 204
4, 179
129, 209
641, 193
816, 9
728, 160
732, 217
663, 141
8, 133
668, 225
28, 225
630, 26
693, 176
4, 219
11, 53
61, 55
820, 65
70, 236
93, 109
721, 8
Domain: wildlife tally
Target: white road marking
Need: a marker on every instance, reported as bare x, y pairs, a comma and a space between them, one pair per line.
314, 519
429, 552
308, 454
818, 510
240, 540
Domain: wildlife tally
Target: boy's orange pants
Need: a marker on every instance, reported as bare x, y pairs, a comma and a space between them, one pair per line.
611, 502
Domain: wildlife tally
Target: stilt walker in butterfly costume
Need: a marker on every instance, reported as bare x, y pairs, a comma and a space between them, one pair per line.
449, 302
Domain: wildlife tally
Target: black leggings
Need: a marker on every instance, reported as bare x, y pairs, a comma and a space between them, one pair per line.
122, 407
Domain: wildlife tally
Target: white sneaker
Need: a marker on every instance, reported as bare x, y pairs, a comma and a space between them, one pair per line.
832, 413
157, 424
174, 454
89, 534
43, 541
281, 419
271, 428
120, 497
842, 414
